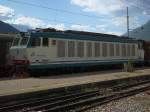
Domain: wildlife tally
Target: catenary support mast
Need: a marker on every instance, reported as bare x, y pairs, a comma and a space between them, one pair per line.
128, 22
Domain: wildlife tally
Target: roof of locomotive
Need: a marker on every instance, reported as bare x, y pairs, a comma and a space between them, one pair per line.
81, 35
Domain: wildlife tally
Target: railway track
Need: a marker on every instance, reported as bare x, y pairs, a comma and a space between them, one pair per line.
76, 101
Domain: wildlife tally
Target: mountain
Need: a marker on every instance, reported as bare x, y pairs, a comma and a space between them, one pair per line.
142, 32
21, 28
6, 28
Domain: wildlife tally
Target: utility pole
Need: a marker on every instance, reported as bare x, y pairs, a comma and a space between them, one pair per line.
128, 22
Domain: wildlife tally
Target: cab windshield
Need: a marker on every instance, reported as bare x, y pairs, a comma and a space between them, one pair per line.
16, 42
24, 41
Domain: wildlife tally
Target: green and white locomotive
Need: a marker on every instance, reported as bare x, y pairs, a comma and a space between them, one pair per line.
42, 50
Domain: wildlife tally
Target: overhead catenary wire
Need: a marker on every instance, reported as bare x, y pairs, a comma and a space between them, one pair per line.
142, 7
70, 12
57, 10
54, 22
134, 4
53, 9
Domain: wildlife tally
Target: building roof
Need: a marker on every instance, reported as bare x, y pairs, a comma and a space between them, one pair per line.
7, 32
7, 29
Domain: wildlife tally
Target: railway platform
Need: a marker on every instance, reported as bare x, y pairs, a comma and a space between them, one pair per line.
10, 87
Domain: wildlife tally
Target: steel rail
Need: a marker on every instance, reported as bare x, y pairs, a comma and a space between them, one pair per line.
60, 102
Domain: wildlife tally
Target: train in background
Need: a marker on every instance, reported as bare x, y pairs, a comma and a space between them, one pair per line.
47, 49
146, 47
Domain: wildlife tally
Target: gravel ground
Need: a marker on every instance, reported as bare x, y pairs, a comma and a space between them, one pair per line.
137, 103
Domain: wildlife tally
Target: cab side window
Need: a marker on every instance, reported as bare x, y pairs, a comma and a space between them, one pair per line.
35, 42
45, 42
24, 41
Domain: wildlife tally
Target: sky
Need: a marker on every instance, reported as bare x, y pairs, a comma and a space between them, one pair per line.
102, 16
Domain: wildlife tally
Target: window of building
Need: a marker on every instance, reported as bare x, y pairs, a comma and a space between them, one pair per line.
35, 42
45, 41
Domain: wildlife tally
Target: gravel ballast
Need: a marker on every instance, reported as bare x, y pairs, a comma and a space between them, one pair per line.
136, 103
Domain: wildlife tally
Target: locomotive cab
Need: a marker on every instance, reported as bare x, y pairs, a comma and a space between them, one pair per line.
18, 50
26, 49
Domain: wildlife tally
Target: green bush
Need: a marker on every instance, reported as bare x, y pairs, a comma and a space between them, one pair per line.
128, 67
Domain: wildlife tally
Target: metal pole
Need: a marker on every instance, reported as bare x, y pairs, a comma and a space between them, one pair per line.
128, 22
